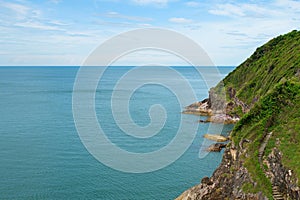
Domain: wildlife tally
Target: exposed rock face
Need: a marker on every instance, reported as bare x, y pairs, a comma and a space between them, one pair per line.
282, 177
222, 119
217, 147
200, 108
225, 183
264, 91
203, 109
217, 138
228, 179
217, 101
216, 108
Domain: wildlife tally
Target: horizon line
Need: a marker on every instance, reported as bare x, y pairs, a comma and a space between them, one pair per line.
113, 66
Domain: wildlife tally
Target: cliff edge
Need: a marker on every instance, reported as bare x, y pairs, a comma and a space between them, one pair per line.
262, 160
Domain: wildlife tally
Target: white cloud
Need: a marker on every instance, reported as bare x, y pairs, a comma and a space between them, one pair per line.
55, 1
228, 40
19, 12
144, 57
127, 17
180, 20
289, 4
3, 53
121, 24
37, 25
232, 40
28, 17
154, 2
16, 8
58, 23
227, 10
192, 4
244, 10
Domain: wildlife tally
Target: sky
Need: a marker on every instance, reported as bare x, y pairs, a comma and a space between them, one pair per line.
65, 32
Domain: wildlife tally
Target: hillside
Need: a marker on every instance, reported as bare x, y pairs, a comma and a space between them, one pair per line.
263, 158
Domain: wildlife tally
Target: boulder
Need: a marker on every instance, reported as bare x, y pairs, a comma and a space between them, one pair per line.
206, 180
217, 138
217, 147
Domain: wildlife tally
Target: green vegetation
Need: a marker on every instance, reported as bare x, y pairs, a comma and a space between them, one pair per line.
279, 112
269, 82
276, 60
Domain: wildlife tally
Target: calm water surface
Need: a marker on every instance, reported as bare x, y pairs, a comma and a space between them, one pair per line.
42, 157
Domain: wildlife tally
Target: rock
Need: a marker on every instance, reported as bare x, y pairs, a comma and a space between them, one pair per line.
217, 100
298, 73
223, 119
214, 108
203, 121
217, 147
199, 108
231, 92
225, 183
281, 176
217, 138
241, 143
233, 153
206, 181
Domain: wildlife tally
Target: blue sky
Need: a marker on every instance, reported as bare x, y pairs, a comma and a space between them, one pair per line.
65, 32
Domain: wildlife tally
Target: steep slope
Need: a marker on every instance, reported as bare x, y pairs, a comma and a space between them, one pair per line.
275, 61
263, 158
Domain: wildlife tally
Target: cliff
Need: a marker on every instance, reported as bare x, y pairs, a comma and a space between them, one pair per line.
262, 160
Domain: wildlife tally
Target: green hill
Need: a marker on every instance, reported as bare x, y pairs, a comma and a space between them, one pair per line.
263, 158
277, 60
269, 83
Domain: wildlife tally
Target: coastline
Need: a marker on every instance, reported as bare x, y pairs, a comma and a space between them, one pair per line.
261, 161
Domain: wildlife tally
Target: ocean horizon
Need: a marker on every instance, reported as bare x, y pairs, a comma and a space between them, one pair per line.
43, 157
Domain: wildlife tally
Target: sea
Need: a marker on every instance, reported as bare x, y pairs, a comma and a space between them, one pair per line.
42, 153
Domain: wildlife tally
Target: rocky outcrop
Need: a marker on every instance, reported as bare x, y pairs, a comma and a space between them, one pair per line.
225, 183
217, 100
219, 119
262, 148
203, 109
229, 178
216, 108
217, 138
222, 119
281, 177
264, 91
217, 147
199, 108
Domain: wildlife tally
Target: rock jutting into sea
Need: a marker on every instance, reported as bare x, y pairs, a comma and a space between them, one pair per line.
217, 147
221, 119
203, 108
217, 138
199, 108
261, 161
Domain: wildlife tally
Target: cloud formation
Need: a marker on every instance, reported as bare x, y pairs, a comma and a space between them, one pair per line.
127, 17
153, 2
180, 20
228, 30
192, 4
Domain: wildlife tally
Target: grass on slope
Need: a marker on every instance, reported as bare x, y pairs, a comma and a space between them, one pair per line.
269, 82
278, 111
274, 61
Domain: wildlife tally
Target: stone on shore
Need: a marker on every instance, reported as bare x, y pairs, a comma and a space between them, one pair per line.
222, 119
217, 138
217, 147
199, 108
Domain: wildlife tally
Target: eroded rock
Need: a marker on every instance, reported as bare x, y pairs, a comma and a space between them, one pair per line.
217, 147
217, 138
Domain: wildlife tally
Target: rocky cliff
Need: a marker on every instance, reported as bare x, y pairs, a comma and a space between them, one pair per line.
262, 161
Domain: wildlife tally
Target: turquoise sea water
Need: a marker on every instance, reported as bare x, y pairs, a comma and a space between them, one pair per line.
42, 157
